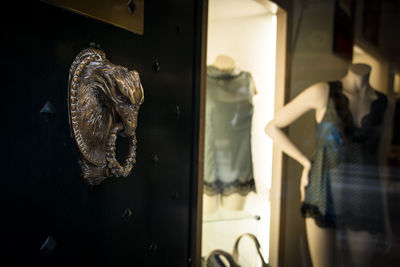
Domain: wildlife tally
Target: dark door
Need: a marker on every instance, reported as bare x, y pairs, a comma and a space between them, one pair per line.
49, 215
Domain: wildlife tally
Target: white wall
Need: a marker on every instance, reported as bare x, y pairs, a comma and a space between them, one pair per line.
246, 31
379, 78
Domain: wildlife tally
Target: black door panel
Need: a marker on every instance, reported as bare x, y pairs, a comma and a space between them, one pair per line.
141, 220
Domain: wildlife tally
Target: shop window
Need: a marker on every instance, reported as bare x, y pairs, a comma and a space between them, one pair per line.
244, 50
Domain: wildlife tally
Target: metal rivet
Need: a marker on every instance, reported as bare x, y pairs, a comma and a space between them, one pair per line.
131, 6
154, 158
48, 109
156, 65
94, 44
175, 196
48, 246
177, 111
127, 215
153, 247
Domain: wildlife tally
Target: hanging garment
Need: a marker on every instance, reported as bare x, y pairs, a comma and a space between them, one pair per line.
344, 188
228, 164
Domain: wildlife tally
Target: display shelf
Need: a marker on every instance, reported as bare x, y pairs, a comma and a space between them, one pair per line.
222, 215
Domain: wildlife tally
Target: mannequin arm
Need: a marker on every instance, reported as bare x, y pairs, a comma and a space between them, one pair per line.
312, 98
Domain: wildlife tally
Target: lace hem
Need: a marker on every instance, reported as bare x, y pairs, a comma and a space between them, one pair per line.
226, 189
350, 221
312, 211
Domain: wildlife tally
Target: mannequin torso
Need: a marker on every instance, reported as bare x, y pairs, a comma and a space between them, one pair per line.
360, 96
358, 91
233, 201
225, 63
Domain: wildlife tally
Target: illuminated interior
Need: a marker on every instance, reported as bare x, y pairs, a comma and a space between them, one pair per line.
246, 31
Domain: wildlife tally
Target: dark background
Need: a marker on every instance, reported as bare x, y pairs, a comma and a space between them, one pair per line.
42, 193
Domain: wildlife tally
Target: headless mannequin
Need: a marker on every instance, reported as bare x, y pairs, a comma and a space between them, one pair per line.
360, 245
225, 63
235, 201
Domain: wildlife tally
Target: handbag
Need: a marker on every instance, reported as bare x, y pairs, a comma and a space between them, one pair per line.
221, 258
216, 259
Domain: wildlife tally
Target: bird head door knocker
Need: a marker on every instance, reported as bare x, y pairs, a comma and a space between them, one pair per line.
104, 100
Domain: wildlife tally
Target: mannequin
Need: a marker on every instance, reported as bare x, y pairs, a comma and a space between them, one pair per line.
234, 201
225, 63
324, 246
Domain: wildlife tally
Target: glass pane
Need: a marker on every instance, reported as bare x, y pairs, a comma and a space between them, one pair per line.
338, 132
308, 112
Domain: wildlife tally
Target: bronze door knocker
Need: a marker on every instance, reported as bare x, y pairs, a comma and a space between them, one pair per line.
103, 100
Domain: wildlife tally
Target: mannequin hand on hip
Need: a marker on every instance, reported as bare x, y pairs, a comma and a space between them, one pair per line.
304, 180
